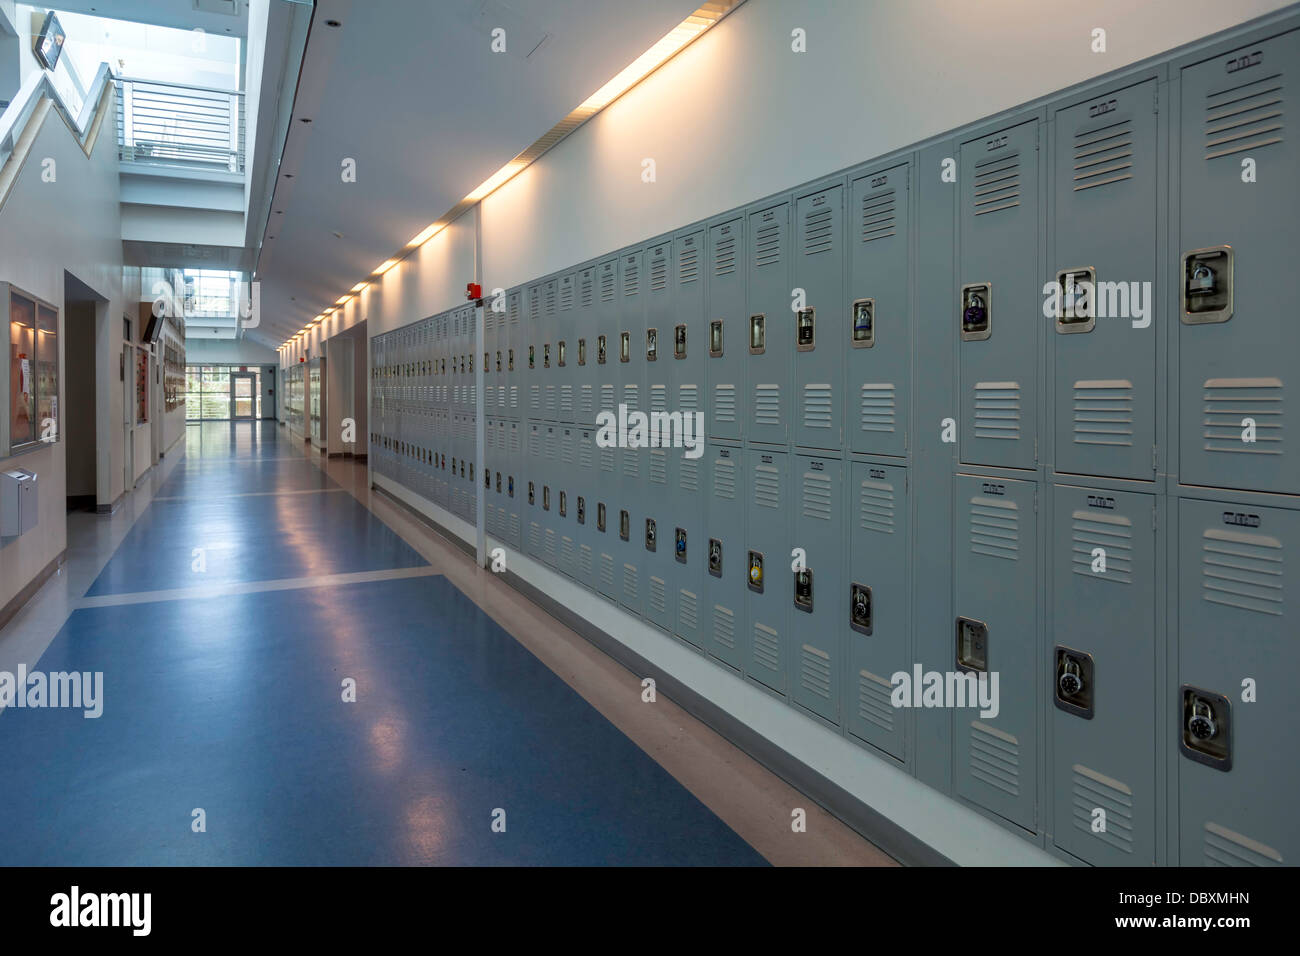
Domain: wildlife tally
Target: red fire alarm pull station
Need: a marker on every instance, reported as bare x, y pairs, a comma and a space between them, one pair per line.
473, 291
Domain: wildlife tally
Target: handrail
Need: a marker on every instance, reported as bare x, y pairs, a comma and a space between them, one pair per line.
180, 86
38, 84
174, 124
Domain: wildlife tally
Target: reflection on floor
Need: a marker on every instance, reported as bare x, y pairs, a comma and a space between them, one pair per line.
249, 601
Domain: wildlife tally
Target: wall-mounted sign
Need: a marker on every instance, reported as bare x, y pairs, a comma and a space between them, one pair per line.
49, 42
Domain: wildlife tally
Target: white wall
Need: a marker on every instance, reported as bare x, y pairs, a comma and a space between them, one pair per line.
228, 352
47, 228
738, 115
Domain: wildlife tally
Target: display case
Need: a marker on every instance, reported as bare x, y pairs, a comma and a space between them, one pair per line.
30, 376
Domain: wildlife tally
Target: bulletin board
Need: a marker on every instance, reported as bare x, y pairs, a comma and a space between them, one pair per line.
141, 386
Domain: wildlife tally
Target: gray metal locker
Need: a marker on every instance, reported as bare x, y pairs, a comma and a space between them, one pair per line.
1101, 673
727, 329
530, 362
724, 555
654, 346
562, 500
515, 342
765, 563
768, 338
628, 513
656, 506
817, 590
819, 326
684, 352
582, 348
531, 482
878, 328
1238, 352
1238, 601
1107, 179
548, 494
583, 507
995, 633
604, 351
515, 462
999, 308
546, 359
563, 352
872, 604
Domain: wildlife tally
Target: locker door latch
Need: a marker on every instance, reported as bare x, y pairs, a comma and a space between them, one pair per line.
600, 350
624, 525
600, 516
715, 557
1207, 285
652, 345
715, 338
679, 342
625, 346
864, 323
803, 590
582, 510
860, 608
976, 311
755, 578
1206, 728
757, 334
1075, 304
679, 545
805, 323
972, 644
564, 504
651, 535
1074, 682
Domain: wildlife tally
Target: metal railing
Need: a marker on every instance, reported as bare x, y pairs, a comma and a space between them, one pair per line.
171, 124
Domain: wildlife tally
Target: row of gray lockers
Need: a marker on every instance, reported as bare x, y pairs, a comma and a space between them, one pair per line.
1130, 624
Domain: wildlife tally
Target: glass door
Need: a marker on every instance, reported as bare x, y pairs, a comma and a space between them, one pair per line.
243, 396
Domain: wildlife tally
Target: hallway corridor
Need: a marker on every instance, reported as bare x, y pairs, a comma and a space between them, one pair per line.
227, 623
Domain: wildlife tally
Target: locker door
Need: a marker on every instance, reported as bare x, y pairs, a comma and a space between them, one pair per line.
562, 503
819, 327
999, 309
604, 352
584, 507
873, 604
1238, 352
492, 321
514, 472
879, 317
1106, 182
531, 361
1102, 675
726, 333
514, 344
552, 469
724, 555
1238, 599
817, 607
531, 482
684, 353
765, 563
996, 571
655, 346
767, 335
546, 356
654, 526
582, 350
629, 512
607, 495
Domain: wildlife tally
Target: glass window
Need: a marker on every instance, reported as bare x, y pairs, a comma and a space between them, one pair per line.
22, 378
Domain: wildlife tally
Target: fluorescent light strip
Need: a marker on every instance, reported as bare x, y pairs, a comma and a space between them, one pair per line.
669, 46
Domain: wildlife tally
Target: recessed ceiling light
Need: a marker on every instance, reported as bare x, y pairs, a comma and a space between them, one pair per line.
304, 120
333, 23
288, 175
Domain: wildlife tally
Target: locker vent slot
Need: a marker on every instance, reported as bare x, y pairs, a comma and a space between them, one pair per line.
688, 398
997, 184
1224, 847
587, 292
566, 297
1242, 570
1092, 790
874, 703
816, 496
584, 455
630, 587
767, 487
566, 400
818, 231
631, 468
607, 285
658, 466
658, 398
878, 220
630, 393
767, 647
767, 405
550, 398
767, 245
514, 527
724, 257
657, 595
688, 474
535, 393
1229, 400
548, 298
995, 528
607, 398
1103, 412
1114, 533
584, 560
724, 479
997, 410
550, 545
724, 626
631, 276
815, 671
566, 449
586, 399
607, 573
1244, 117
995, 758
514, 396
659, 273
817, 406
607, 460
876, 507
878, 407
512, 309
688, 265
534, 537
566, 553
1103, 156
724, 403
688, 621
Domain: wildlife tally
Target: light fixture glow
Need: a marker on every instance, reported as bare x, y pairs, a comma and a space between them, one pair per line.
421, 238
383, 267
650, 60
359, 286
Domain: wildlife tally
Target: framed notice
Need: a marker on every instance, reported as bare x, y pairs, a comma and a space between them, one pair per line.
141, 386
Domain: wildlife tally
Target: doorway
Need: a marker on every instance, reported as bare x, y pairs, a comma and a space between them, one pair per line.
243, 396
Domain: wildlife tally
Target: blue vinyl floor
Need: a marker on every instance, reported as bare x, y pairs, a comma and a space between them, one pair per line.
233, 704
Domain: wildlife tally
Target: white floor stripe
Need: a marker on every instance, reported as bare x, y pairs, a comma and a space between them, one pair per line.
249, 494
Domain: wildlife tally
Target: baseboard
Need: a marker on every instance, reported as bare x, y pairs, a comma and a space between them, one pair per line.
102, 509
444, 531
22, 597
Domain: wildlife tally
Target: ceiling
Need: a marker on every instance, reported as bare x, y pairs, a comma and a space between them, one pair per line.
211, 16
412, 92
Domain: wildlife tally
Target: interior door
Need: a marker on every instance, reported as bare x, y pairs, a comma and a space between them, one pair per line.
243, 396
